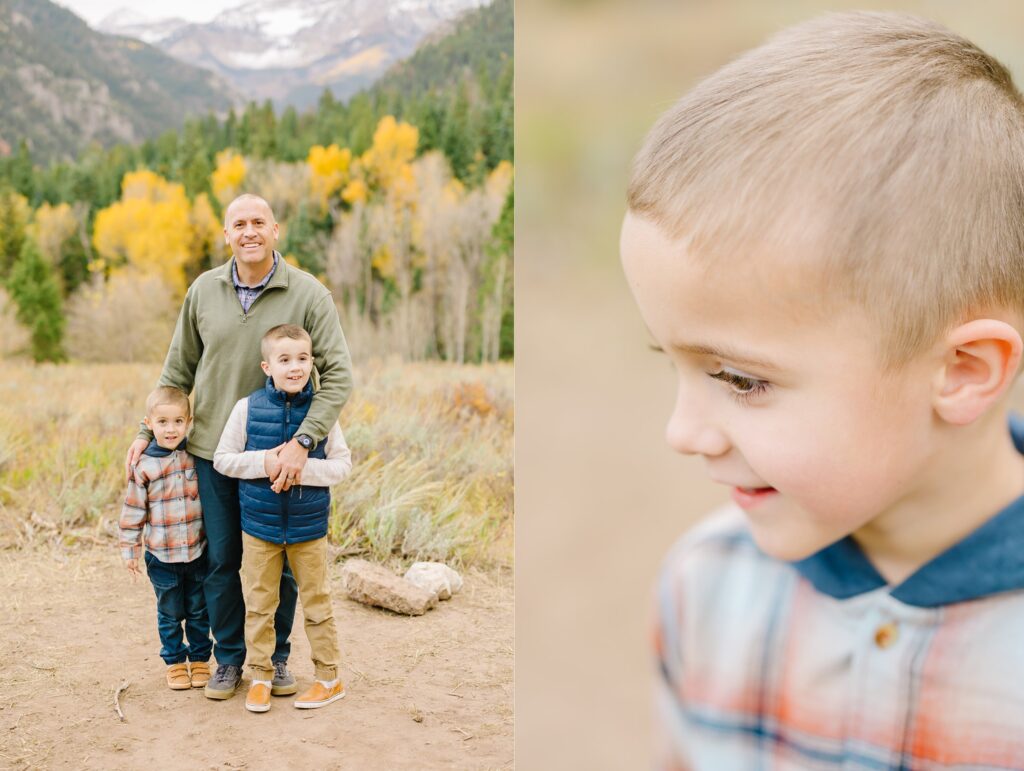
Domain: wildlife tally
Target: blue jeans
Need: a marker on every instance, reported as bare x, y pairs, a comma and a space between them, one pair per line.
222, 519
180, 598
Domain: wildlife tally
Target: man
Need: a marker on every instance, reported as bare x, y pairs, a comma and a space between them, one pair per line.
215, 352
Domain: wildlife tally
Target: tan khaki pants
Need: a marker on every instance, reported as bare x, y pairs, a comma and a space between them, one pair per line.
262, 564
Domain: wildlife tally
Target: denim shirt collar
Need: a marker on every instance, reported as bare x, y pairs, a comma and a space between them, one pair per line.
990, 560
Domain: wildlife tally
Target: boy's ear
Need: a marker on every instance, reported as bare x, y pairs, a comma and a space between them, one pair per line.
266, 368
980, 365
148, 424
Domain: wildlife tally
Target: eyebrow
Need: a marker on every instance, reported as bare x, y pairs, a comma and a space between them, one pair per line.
720, 352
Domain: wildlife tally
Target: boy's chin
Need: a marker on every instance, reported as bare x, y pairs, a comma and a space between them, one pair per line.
789, 547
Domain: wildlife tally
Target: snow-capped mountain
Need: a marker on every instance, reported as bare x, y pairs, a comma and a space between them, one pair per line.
290, 50
132, 23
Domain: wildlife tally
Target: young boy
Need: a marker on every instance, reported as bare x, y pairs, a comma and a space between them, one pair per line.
276, 523
161, 508
826, 238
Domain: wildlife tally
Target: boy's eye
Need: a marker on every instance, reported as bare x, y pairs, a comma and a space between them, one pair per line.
742, 385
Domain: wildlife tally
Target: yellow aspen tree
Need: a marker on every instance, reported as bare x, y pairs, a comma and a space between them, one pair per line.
354, 192
148, 228
393, 149
207, 248
228, 177
328, 171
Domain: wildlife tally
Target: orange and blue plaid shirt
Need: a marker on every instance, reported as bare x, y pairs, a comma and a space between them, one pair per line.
820, 664
161, 507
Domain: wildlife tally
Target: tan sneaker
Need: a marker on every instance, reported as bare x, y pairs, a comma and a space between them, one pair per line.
177, 677
318, 696
258, 698
200, 671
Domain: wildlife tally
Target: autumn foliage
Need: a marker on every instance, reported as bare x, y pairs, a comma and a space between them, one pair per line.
407, 248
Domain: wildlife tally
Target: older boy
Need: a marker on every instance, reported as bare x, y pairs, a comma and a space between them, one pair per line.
826, 238
162, 509
277, 521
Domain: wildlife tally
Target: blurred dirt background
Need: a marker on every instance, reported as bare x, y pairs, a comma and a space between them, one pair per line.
599, 494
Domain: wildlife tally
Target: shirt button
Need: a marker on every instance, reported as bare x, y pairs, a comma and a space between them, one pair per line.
886, 634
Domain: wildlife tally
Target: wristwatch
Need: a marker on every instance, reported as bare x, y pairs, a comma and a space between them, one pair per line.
305, 441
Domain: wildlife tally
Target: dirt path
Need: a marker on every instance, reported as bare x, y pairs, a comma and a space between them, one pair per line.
423, 693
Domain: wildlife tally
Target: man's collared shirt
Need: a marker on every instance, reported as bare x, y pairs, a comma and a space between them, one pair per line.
820, 664
247, 294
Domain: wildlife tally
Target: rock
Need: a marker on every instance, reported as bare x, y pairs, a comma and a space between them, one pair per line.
372, 584
436, 577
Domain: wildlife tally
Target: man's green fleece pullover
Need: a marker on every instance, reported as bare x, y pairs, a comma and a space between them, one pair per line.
216, 349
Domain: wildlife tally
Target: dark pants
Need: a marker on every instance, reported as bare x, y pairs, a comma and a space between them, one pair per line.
222, 519
179, 597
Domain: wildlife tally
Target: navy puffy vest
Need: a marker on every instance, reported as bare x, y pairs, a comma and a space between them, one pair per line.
301, 513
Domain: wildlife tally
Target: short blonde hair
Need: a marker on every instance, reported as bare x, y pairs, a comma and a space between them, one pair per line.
292, 331
886, 145
167, 395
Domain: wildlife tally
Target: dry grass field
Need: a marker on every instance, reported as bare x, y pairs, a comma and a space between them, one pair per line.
432, 448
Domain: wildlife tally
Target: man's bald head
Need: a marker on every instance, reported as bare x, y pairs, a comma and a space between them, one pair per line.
246, 198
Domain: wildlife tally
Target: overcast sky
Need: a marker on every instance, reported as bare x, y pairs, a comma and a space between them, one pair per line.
93, 11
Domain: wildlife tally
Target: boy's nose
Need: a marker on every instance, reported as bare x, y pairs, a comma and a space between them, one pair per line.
692, 429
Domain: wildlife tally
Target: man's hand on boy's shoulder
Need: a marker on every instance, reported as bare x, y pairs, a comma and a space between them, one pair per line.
134, 453
133, 569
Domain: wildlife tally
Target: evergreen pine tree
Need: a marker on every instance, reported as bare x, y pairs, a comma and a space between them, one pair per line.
34, 290
12, 232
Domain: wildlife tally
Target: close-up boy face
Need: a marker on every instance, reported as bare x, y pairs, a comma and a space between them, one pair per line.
781, 392
289, 363
168, 422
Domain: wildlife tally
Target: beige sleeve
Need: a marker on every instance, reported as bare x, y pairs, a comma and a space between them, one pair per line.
325, 472
230, 457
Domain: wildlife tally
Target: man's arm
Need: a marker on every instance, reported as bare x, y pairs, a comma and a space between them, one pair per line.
330, 351
179, 370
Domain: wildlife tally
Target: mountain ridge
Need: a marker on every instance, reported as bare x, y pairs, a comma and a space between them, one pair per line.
64, 85
288, 51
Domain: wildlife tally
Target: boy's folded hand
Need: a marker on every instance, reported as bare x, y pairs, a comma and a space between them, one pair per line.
271, 464
133, 569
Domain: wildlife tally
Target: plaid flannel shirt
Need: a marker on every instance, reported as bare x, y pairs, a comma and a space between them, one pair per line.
821, 665
161, 507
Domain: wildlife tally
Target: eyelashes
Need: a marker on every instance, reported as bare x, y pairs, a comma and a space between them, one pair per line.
743, 388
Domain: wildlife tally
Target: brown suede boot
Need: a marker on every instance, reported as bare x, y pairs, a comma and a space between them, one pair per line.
200, 671
177, 677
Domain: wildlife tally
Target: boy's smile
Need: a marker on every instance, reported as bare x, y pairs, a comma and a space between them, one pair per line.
782, 393
290, 364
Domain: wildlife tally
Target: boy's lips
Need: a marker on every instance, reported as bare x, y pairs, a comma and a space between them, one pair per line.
748, 497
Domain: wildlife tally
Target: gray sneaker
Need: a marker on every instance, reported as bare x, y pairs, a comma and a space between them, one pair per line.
224, 682
284, 684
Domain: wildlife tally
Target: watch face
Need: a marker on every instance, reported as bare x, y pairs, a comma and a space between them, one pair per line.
305, 441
